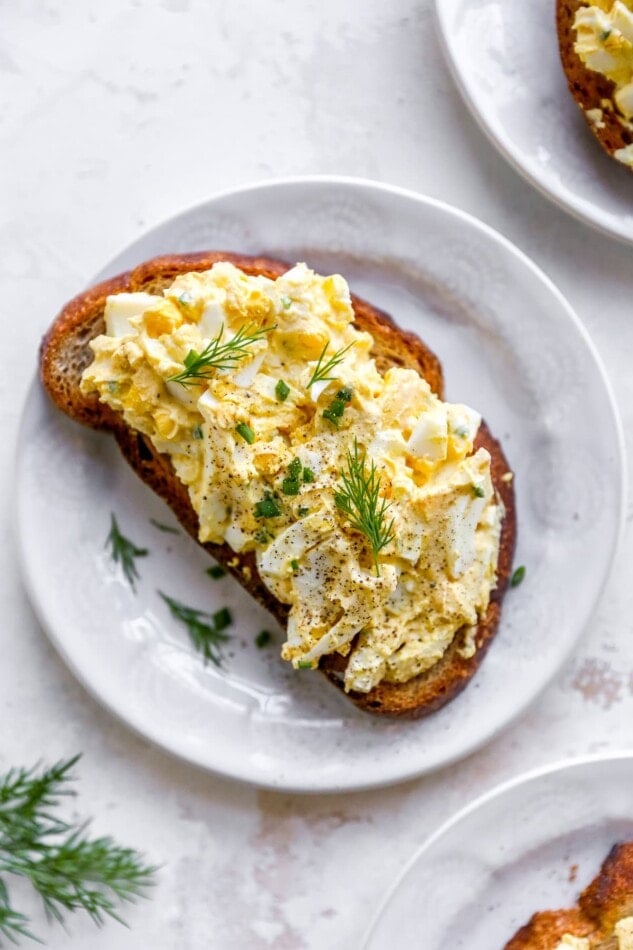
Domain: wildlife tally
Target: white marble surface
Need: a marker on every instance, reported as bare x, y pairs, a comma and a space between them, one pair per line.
113, 116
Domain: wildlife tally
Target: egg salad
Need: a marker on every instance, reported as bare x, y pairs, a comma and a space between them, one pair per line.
623, 934
569, 942
604, 42
367, 509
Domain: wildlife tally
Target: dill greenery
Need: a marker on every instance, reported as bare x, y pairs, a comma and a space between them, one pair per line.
123, 552
218, 355
69, 870
324, 367
359, 497
206, 630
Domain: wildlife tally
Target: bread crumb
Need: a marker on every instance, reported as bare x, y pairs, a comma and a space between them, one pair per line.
595, 116
573, 872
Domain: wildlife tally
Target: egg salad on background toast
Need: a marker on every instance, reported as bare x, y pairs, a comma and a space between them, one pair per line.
601, 920
301, 438
596, 45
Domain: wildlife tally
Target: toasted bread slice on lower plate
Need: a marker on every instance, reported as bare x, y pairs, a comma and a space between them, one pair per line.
64, 355
602, 919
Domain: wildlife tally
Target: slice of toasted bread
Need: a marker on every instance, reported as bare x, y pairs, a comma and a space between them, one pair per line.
601, 905
545, 929
65, 354
590, 89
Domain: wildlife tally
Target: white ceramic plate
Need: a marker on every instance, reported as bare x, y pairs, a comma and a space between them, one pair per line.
510, 345
530, 845
504, 56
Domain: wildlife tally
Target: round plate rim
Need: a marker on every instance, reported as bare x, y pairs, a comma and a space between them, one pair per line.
396, 774
494, 793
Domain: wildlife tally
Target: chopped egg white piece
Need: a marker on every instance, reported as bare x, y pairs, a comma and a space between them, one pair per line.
624, 933
569, 942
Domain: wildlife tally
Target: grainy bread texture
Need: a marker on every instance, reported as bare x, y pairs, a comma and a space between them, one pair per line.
65, 354
590, 89
601, 905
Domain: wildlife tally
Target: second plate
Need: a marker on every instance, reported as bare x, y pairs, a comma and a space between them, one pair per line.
505, 59
531, 845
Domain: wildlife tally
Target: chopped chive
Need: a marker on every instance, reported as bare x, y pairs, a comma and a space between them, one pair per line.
262, 639
191, 358
478, 490
461, 431
197, 432
282, 390
337, 407
294, 469
286, 302
290, 486
304, 664
222, 618
216, 572
302, 511
335, 410
113, 385
605, 35
267, 507
294, 564
308, 475
246, 432
518, 576
345, 394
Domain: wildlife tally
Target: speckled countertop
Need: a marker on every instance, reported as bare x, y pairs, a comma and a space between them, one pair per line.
112, 117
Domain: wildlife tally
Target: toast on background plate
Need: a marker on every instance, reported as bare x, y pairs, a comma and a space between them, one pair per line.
602, 919
595, 38
321, 519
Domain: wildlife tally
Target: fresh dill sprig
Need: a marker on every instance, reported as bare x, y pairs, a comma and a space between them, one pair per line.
359, 498
324, 367
219, 355
205, 630
123, 551
69, 870
13, 924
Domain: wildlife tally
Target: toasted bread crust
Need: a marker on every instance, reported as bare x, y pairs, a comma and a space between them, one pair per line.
605, 901
589, 88
65, 353
609, 897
